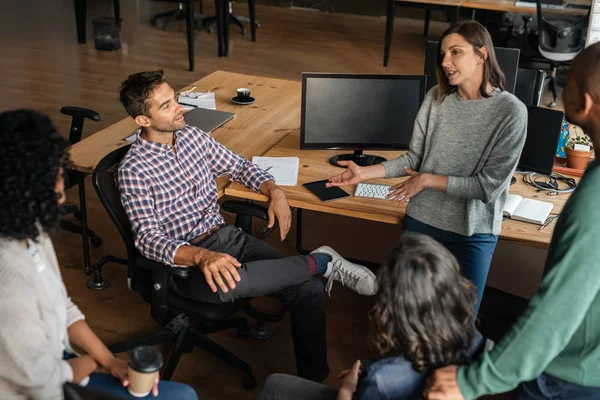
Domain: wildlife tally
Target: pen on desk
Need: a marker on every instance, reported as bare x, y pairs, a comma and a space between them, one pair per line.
266, 170
189, 105
546, 223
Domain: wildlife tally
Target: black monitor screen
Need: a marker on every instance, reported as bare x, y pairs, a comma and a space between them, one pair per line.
543, 132
351, 111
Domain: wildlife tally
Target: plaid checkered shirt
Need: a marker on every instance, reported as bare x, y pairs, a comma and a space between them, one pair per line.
171, 197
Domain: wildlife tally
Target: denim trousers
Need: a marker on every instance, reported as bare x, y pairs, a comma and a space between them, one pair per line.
265, 271
166, 390
474, 253
548, 387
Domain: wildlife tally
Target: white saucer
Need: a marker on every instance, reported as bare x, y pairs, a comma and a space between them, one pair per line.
236, 100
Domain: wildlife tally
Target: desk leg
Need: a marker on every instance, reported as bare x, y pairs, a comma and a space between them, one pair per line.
80, 19
389, 30
218, 18
225, 26
190, 31
454, 16
87, 269
117, 7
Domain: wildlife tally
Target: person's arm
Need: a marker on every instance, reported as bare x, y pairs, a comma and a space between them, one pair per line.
494, 177
278, 207
554, 314
150, 238
224, 161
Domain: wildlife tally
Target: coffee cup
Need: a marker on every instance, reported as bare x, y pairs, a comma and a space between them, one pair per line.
145, 363
243, 93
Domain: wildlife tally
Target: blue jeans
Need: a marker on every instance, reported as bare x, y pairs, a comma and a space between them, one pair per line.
166, 389
474, 253
548, 387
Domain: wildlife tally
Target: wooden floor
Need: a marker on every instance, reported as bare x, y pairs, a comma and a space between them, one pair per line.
44, 68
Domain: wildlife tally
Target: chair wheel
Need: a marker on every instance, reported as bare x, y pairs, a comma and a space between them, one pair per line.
96, 241
249, 382
552, 105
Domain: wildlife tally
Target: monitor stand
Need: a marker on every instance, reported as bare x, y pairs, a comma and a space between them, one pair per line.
360, 159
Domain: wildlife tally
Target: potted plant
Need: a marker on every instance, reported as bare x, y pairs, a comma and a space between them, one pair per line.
579, 149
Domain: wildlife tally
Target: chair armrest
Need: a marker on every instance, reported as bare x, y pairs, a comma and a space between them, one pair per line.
245, 208
158, 267
80, 112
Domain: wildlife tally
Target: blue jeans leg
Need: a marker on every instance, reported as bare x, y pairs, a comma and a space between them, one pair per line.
474, 253
166, 389
548, 387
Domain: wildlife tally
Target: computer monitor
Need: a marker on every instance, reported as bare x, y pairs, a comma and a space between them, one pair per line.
508, 60
359, 112
543, 132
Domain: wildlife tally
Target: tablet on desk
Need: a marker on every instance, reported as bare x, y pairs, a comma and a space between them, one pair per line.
325, 193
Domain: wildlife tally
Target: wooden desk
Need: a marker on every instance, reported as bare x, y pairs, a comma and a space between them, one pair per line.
255, 129
314, 165
509, 6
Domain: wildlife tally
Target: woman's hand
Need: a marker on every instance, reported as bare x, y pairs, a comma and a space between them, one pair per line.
353, 175
408, 188
349, 379
119, 369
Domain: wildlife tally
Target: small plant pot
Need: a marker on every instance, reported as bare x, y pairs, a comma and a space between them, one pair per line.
578, 159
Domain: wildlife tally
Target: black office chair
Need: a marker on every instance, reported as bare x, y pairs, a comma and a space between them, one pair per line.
451, 12
560, 38
237, 19
184, 321
162, 20
530, 86
73, 178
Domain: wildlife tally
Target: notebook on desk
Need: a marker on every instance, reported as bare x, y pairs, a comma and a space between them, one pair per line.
527, 210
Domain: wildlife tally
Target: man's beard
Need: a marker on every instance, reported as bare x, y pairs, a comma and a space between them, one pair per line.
171, 127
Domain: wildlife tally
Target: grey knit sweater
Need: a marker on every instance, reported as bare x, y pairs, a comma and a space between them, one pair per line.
477, 144
35, 312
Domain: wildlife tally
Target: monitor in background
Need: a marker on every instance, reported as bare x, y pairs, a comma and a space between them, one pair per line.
508, 60
360, 112
543, 132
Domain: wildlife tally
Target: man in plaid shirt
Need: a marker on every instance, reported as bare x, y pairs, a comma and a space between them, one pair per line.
168, 189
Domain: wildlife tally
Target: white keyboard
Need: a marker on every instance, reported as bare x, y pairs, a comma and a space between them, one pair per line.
372, 190
534, 4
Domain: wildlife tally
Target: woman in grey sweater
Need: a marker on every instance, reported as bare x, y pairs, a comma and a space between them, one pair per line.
39, 320
467, 140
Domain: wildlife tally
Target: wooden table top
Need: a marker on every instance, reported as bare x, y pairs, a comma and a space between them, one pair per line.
314, 165
254, 130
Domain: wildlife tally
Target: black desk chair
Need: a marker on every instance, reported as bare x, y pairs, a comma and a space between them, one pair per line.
237, 19
561, 38
451, 12
163, 20
73, 178
530, 86
184, 321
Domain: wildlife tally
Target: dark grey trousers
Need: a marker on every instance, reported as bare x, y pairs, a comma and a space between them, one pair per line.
265, 271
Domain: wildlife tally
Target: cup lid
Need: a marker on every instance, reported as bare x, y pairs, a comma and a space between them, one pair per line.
145, 359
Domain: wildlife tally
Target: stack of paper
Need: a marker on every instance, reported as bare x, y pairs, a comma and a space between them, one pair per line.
203, 100
283, 169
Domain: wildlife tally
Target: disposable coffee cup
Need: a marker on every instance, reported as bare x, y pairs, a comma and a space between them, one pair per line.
243, 93
145, 363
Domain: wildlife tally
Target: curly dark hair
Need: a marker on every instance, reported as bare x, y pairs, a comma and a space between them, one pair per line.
425, 308
32, 152
137, 88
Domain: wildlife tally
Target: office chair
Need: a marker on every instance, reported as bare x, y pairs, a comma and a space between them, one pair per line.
560, 40
530, 86
451, 12
236, 19
185, 322
163, 20
73, 178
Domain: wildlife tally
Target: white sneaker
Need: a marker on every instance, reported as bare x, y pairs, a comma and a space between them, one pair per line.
354, 276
